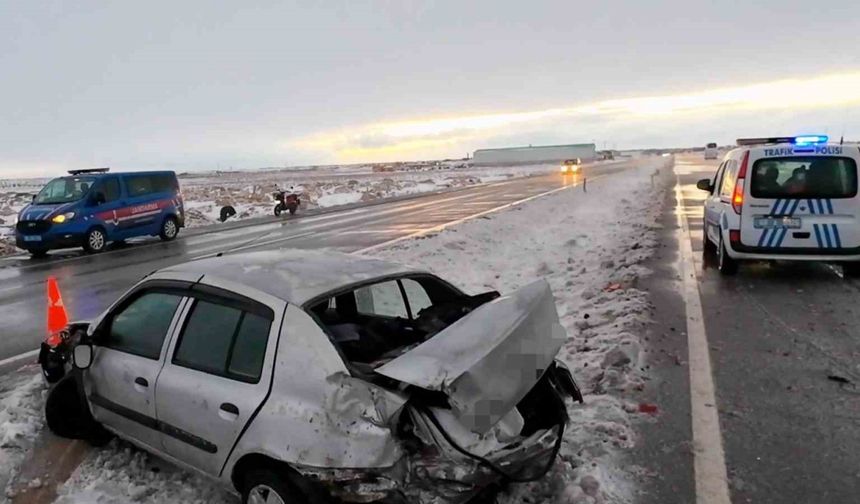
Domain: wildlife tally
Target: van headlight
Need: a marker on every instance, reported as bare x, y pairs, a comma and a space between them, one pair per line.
61, 218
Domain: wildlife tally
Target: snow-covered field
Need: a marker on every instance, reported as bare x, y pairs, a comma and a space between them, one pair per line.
589, 246
250, 192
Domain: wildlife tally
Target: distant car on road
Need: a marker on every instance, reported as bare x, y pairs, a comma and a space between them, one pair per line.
787, 198
298, 376
571, 166
90, 208
711, 151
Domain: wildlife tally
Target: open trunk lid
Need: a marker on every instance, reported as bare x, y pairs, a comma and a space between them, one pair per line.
487, 361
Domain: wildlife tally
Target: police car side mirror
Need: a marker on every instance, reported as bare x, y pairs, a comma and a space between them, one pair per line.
82, 356
705, 185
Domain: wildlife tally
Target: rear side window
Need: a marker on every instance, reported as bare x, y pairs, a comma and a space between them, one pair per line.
804, 177
383, 298
140, 185
140, 327
223, 340
728, 185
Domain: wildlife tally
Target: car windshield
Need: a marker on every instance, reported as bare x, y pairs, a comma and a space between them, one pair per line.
804, 177
64, 190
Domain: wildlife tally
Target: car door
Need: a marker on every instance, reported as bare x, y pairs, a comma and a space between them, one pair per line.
128, 349
217, 375
713, 203
106, 205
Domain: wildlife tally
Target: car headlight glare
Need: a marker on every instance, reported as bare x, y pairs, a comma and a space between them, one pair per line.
61, 218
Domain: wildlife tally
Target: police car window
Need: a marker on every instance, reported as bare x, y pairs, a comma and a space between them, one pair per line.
223, 340
110, 189
728, 184
804, 177
718, 176
140, 327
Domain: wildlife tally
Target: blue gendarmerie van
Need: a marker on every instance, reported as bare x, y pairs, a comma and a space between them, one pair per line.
90, 208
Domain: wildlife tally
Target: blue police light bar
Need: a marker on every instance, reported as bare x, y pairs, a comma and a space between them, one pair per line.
798, 140
810, 139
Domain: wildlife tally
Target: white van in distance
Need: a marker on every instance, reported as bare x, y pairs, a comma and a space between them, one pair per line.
711, 151
787, 198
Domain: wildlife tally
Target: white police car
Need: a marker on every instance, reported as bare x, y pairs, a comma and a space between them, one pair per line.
788, 198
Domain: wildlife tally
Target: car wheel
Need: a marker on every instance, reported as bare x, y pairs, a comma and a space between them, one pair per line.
68, 416
851, 269
725, 264
38, 253
265, 486
95, 241
169, 229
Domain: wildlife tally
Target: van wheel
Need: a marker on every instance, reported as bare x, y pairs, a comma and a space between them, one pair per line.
725, 264
38, 253
265, 486
169, 229
851, 269
95, 241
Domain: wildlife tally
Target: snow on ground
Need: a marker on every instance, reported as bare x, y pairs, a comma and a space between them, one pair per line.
21, 418
589, 246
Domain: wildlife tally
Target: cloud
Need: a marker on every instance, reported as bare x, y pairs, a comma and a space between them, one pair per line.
424, 137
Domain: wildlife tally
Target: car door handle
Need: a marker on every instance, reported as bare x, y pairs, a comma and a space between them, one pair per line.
140, 384
228, 411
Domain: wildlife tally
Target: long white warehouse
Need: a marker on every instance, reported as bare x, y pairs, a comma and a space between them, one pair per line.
534, 155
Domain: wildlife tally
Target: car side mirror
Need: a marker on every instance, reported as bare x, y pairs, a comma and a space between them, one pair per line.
82, 356
705, 185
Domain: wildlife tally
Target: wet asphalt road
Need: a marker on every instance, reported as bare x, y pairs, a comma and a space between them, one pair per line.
90, 283
776, 332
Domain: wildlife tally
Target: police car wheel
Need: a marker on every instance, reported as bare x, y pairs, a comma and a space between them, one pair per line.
95, 241
169, 229
725, 264
851, 270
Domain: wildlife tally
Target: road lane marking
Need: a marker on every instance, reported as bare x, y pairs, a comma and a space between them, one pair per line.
469, 217
709, 457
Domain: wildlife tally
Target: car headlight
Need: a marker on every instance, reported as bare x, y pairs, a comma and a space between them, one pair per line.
61, 218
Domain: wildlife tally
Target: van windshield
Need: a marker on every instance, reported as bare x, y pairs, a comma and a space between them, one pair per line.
711, 146
804, 177
64, 190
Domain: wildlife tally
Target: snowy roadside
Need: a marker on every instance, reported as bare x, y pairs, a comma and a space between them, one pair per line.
589, 246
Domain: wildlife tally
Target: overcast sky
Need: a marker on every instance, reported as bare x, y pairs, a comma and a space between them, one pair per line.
205, 84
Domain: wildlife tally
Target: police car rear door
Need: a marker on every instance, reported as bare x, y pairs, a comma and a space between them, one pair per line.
801, 198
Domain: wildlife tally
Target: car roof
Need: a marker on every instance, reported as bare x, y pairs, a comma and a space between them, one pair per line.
294, 275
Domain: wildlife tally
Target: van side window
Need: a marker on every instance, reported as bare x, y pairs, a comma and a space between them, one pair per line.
139, 328
224, 341
110, 189
139, 185
728, 185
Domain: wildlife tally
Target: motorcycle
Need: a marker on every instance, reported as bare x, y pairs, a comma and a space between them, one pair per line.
286, 201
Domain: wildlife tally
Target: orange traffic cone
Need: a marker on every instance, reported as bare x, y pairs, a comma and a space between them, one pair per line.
57, 317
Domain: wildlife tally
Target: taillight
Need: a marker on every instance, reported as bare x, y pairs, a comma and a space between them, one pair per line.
738, 196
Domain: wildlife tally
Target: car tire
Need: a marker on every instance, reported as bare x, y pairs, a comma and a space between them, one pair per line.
268, 486
95, 241
68, 416
851, 269
725, 263
38, 253
169, 229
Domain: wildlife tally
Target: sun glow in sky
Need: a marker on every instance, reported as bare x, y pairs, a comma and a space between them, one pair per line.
389, 140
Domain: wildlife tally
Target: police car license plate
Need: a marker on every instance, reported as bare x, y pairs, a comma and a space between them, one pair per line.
777, 222
32, 238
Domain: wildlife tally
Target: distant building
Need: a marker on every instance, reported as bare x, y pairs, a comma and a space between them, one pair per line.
534, 155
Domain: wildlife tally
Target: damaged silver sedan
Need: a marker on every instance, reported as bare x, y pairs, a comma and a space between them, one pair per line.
319, 377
